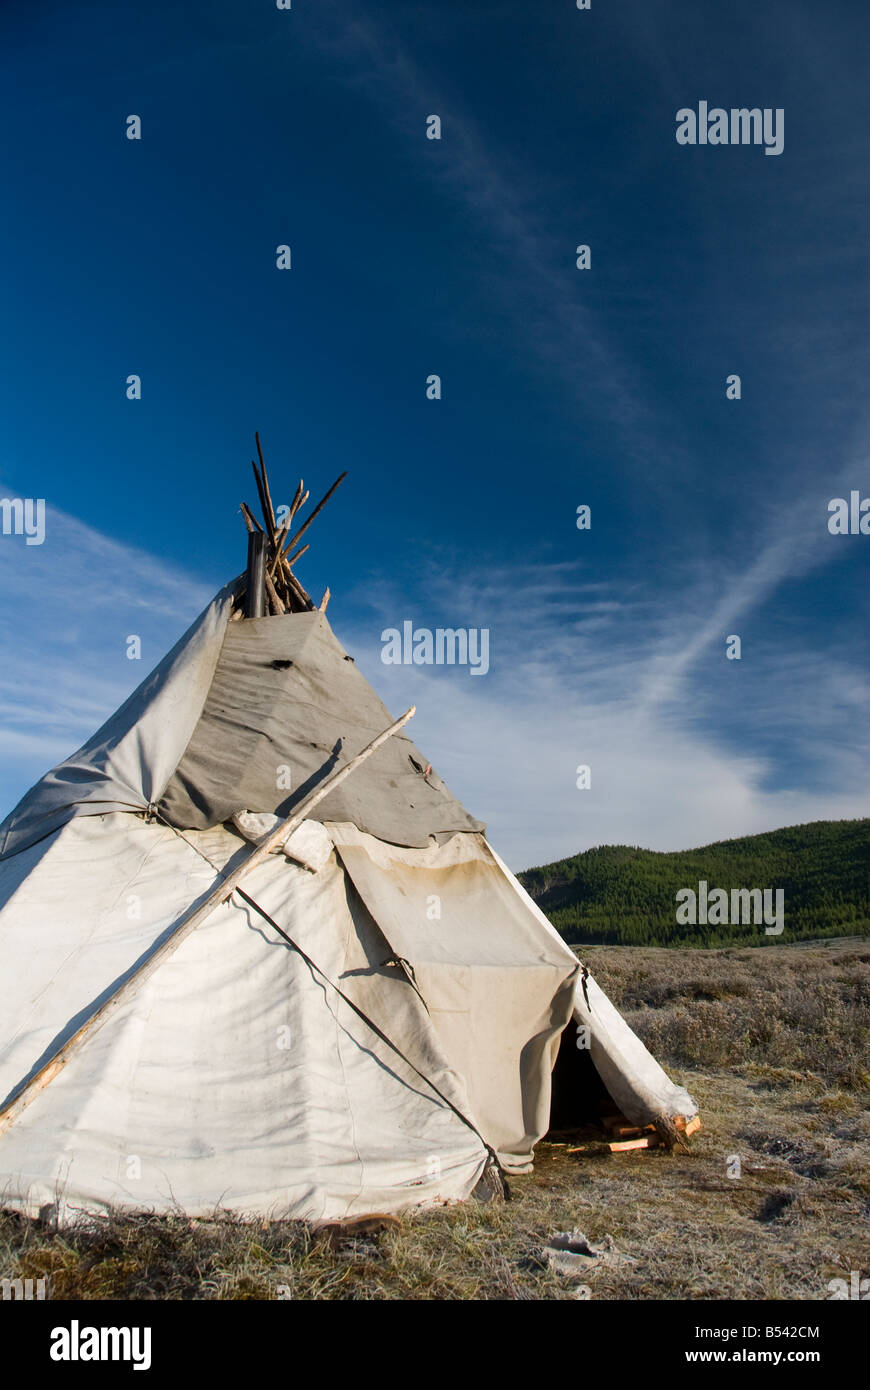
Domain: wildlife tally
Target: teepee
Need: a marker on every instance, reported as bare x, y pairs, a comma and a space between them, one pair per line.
254, 955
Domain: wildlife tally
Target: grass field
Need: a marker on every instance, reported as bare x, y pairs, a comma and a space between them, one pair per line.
774, 1044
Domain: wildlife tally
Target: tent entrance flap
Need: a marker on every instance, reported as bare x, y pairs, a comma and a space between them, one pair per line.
498, 992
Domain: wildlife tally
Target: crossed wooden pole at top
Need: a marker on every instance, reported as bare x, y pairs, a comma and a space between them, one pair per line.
284, 593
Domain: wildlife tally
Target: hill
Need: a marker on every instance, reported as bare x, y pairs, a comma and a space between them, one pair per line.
622, 895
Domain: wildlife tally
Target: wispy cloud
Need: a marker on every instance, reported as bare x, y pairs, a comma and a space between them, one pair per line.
682, 750
573, 663
69, 606
798, 542
528, 267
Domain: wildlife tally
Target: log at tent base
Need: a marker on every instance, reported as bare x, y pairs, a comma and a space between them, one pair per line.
664, 1133
186, 924
624, 1136
646, 1141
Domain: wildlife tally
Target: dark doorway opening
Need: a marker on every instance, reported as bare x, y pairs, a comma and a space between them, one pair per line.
579, 1096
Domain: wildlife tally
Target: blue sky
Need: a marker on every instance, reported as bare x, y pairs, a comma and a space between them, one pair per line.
560, 387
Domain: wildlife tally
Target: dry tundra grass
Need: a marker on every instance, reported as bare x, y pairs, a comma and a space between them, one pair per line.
775, 1046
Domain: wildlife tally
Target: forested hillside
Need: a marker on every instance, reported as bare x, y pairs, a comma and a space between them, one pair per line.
620, 895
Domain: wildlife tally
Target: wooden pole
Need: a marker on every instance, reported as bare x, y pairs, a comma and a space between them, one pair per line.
321, 504
250, 520
185, 924
297, 590
270, 515
274, 597
297, 555
280, 538
264, 506
298, 499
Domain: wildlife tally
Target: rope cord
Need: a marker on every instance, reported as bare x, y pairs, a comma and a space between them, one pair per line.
370, 1023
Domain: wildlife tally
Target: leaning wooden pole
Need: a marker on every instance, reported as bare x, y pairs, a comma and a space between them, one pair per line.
187, 923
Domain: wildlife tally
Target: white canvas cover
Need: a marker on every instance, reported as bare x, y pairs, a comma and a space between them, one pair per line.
205, 734
237, 1076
